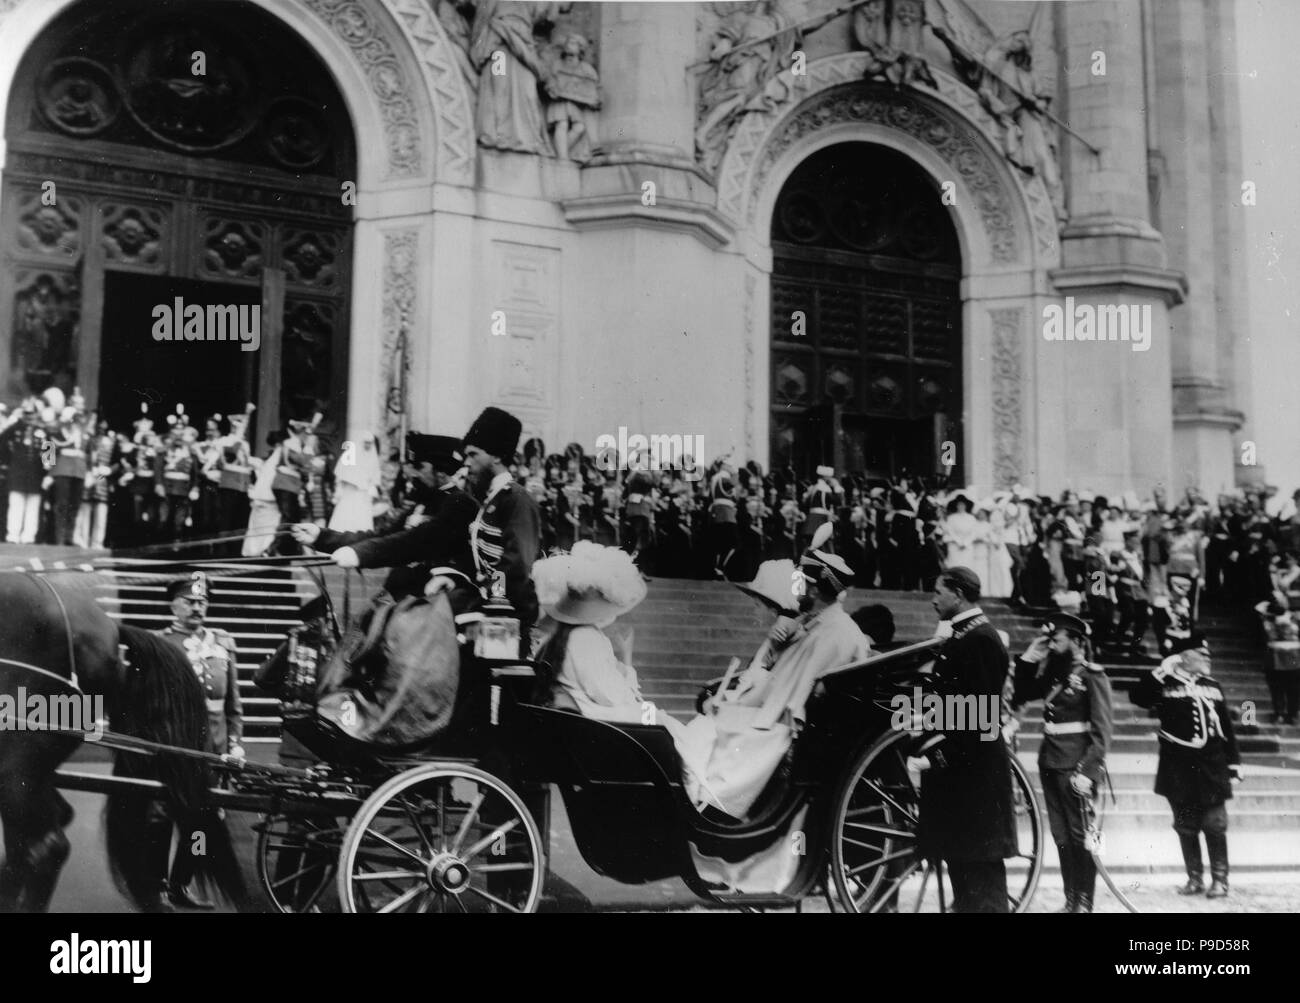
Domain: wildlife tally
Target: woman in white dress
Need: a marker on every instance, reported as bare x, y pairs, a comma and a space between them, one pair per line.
959, 531
582, 593
264, 514
358, 478
999, 584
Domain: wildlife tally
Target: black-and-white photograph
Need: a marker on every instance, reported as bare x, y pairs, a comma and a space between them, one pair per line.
808, 456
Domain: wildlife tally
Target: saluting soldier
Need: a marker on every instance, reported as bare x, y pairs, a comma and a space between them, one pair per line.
176, 479
213, 656
1057, 668
967, 813
1199, 760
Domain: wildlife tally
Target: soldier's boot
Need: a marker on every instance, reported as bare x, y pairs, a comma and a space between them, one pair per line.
1217, 844
1085, 879
1191, 844
1067, 876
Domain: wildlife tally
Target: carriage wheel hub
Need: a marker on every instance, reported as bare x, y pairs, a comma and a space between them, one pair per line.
448, 873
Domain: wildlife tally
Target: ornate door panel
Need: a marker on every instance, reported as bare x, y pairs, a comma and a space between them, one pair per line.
865, 316
123, 158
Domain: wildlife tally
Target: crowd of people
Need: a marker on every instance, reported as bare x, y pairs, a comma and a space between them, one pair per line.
67, 477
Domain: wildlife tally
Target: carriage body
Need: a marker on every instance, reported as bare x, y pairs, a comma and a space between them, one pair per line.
621, 784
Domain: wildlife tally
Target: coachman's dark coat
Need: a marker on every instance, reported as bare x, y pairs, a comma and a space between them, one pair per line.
967, 811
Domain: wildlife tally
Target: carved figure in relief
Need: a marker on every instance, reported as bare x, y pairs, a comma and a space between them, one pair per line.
752, 45
456, 18
890, 32
574, 97
1001, 71
504, 51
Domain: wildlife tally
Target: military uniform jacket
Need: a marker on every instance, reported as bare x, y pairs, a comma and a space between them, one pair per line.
1078, 720
505, 539
443, 541
71, 458
176, 471
967, 813
1197, 744
26, 459
212, 655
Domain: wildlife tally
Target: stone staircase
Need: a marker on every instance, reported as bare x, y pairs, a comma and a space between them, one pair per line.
257, 607
685, 632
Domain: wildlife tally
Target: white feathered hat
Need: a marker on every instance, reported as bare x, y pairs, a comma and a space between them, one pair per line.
589, 585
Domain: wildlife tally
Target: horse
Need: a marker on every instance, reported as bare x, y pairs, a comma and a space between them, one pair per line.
55, 639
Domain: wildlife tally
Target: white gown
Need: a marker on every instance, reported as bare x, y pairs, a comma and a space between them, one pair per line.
959, 531
998, 585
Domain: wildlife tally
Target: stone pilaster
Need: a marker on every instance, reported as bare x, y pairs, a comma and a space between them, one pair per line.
1204, 419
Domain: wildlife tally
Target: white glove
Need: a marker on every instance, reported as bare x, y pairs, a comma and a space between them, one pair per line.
1082, 785
235, 755
305, 532
916, 765
346, 557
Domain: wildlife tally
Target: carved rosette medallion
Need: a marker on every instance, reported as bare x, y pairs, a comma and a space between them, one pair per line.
1008, 397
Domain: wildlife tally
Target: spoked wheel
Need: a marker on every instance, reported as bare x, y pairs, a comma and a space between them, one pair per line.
296, 859
874, 861
442, 838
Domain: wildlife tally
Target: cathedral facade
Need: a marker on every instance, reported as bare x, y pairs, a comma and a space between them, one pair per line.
1000, 241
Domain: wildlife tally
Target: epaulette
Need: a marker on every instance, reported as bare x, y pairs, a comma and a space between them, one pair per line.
1096, 667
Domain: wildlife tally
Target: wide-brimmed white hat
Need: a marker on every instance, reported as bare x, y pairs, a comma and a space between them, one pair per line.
774, 585
589, 585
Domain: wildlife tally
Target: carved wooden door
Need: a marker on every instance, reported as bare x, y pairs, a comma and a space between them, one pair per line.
866, 316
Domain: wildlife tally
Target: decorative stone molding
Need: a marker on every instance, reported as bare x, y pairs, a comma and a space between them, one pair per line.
376, 31
452, 104
401, 257
364, 33
751, 290
1008, 397
951, 121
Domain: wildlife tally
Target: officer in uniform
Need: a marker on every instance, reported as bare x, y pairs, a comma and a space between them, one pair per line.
1057, 668
1199, 760
967, 812
214, 658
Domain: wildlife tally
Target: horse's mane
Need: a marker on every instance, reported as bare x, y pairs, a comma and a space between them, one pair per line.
161, 700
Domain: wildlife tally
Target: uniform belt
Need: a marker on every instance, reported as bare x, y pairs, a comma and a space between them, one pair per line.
1065, 727
177, 475
215, 706
71, 452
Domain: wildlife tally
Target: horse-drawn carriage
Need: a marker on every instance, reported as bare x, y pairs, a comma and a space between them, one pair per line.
460, 823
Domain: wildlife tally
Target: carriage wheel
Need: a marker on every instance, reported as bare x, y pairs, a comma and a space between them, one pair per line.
442, 838
296, 859
874, 860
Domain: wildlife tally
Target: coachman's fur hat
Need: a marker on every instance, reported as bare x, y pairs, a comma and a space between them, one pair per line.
496, 432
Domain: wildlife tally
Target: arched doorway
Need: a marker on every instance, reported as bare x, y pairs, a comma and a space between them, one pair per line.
160, 153
866, 318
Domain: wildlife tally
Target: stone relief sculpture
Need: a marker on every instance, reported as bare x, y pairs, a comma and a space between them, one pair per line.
505, 53
751, 46
1001, 71
574, 97
890, 31
456, 18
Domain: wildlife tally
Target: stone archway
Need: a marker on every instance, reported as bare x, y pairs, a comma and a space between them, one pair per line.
394, 65
1005, 224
